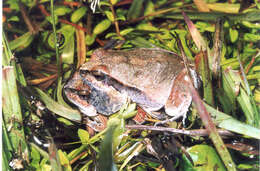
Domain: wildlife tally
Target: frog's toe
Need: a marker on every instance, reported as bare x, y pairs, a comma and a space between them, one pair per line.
155, 114
176, 111
97, 123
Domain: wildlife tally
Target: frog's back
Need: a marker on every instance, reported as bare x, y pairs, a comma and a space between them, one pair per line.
152, 71
139, 64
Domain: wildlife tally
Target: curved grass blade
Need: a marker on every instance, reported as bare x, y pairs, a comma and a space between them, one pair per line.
234, 86
106, 162
22, 42
59, 109
227, 122
248, 99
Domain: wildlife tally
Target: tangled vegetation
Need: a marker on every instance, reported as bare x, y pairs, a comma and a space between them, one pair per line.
45, 41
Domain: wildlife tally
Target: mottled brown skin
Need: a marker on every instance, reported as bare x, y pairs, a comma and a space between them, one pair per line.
146, 76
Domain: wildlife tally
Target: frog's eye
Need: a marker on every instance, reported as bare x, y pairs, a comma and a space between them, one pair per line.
83, 92
83, 73
99, 75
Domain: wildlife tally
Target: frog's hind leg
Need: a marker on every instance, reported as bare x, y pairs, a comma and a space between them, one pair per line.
180, 98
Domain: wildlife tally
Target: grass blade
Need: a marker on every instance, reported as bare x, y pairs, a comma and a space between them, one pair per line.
106, 152
235, 89
59, 109
135, 9
227, 122
12, 115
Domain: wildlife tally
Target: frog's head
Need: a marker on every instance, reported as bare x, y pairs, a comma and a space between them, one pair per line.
90, 91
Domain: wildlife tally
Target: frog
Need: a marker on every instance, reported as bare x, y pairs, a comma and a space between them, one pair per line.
155, 79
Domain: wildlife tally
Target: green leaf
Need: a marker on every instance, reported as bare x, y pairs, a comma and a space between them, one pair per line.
245, 166
203, 26
21, 42
8, 59
78, 14
141, 42
102, 26
61, 10
257, 4
130, 111
126, 31
90, 39
206, 76
59, 94
227, 122
13, 4
224, 7
251, 25
8, 149
149, 8
83, 135
64, 161
12, 114
118, 134
135, 9
110, 16
204, 158
59, 109
35, 156
13, 18
234, 88
147, 27
106, 161
65, 121
251, 37
185, 46
86, 166
233, 34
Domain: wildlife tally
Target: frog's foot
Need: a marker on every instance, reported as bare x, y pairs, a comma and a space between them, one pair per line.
155, 114
98, 123
180, 98
171, 120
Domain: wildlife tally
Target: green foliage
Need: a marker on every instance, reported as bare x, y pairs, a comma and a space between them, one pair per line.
78, 14
61, 110
30, 31
101, 27
204, 157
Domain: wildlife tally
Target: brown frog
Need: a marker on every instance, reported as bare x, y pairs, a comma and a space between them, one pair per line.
155, 79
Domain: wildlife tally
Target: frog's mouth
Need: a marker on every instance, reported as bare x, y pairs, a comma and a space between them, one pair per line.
87, 91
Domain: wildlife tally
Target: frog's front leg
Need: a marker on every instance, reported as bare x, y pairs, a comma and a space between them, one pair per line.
97, 123
180, 98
